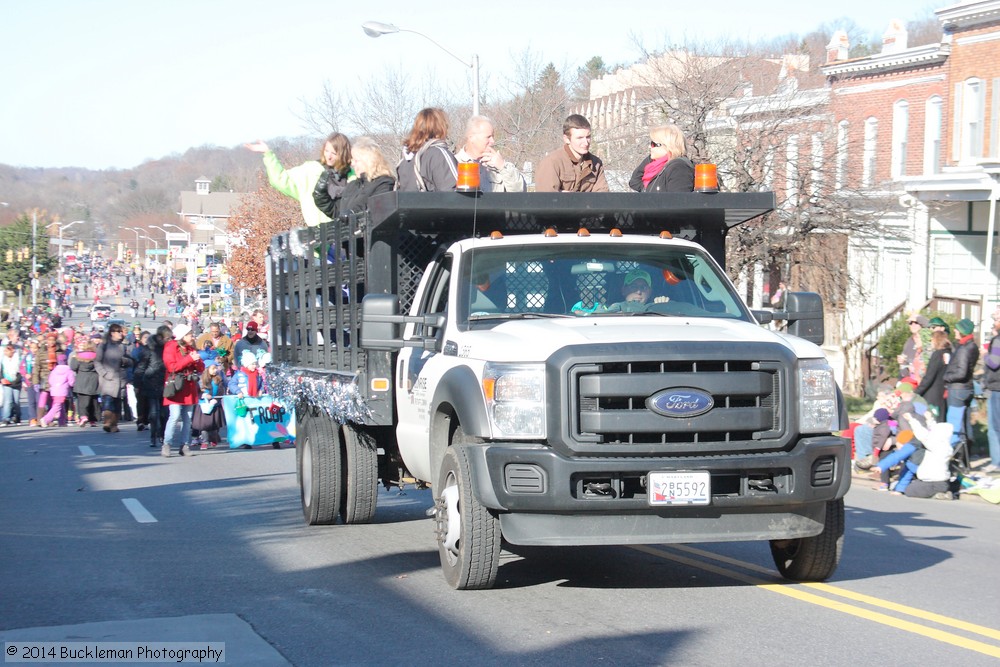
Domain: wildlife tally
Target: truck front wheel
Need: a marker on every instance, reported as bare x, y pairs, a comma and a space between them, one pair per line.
319, 469
468, 534
813, 558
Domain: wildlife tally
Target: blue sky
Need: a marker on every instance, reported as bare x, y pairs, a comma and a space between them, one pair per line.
113, 83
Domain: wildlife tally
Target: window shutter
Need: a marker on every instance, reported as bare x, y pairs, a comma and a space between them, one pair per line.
995, 121
956, 125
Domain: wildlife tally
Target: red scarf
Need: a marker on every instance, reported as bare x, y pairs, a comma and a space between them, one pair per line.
253, 382
964, 339
653, 169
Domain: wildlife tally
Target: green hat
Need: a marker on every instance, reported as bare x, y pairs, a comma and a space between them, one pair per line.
906, 387
638, 274
965, 326
938, 322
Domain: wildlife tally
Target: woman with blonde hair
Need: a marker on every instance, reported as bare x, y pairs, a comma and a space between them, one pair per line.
427, 165
667, 169
374, 176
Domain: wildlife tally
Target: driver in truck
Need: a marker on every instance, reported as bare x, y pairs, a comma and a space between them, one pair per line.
636, 291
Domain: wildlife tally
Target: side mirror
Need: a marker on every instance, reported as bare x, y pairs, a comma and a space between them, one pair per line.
804, 314
380, 322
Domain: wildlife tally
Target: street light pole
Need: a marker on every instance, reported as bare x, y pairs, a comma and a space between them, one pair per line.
61, 228
377, 29
133, 229
34, 256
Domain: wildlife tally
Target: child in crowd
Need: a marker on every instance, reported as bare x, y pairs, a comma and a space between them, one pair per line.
209, 417
61, 380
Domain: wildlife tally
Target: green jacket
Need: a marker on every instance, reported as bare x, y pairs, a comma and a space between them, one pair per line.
298, 183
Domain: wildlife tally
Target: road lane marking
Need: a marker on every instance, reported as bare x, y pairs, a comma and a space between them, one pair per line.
140, 513
958, 624
86, 450
794, 591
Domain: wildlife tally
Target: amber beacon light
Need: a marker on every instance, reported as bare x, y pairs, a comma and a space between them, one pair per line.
468, 177
705, 178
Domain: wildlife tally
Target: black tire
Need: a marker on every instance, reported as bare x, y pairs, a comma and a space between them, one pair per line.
359, 475
813, 558
470, 553
319, 463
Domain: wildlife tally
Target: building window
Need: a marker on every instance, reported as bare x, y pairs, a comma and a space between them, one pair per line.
840, 170
932, 135
900, 129
869, 152
792, 170
816, 177
973, 112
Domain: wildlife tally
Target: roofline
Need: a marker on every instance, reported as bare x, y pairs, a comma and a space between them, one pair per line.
931, 54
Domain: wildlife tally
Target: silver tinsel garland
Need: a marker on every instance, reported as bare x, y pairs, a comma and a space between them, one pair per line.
337, 394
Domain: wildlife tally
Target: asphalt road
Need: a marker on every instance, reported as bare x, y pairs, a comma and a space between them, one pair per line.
102, 538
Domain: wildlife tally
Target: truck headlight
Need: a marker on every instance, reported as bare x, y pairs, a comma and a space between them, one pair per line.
817, 397
515, 399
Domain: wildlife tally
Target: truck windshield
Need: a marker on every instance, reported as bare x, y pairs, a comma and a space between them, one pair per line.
592, 280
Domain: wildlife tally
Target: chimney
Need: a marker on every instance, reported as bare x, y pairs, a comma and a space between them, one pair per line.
894, 37
838, 47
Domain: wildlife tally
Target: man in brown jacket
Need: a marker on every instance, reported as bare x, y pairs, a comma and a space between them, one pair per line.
572, 168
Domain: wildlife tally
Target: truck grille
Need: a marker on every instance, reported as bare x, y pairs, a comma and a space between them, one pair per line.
611, 406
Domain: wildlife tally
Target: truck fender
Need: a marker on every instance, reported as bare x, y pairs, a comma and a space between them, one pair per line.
458, 396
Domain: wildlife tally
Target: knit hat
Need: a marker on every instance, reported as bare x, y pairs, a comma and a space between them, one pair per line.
905, 387
248, 358
881, 415
252, 325
180, 331
965, 326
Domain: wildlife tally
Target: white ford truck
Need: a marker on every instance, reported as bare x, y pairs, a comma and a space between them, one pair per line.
495, 348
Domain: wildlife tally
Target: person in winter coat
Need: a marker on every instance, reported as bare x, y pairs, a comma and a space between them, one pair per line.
248, 380
572, 167
336, 176
10, 379
374, 176
112, 362
151, 373
297, 182
495, 173
933, 472
991, 380
958, 379
427, 165
45, 361
213, 388
931, 386
180, 358
61, 380
87, 383
667, 169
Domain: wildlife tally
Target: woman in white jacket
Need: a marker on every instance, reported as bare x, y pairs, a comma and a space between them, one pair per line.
934, 472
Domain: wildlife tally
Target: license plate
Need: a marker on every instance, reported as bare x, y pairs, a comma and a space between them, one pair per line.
679, 488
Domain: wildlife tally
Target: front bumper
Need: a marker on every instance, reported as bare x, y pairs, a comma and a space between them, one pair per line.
545, 498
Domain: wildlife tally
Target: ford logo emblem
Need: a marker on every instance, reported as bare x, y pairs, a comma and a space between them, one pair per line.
680, 402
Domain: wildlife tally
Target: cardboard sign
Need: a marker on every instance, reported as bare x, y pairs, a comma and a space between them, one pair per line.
258, 421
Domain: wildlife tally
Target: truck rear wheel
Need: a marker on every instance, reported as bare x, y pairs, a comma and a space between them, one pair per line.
468, 534
813, 558
359, 479
319, 468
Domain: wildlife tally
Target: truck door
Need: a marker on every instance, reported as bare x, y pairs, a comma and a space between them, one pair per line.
418, 371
